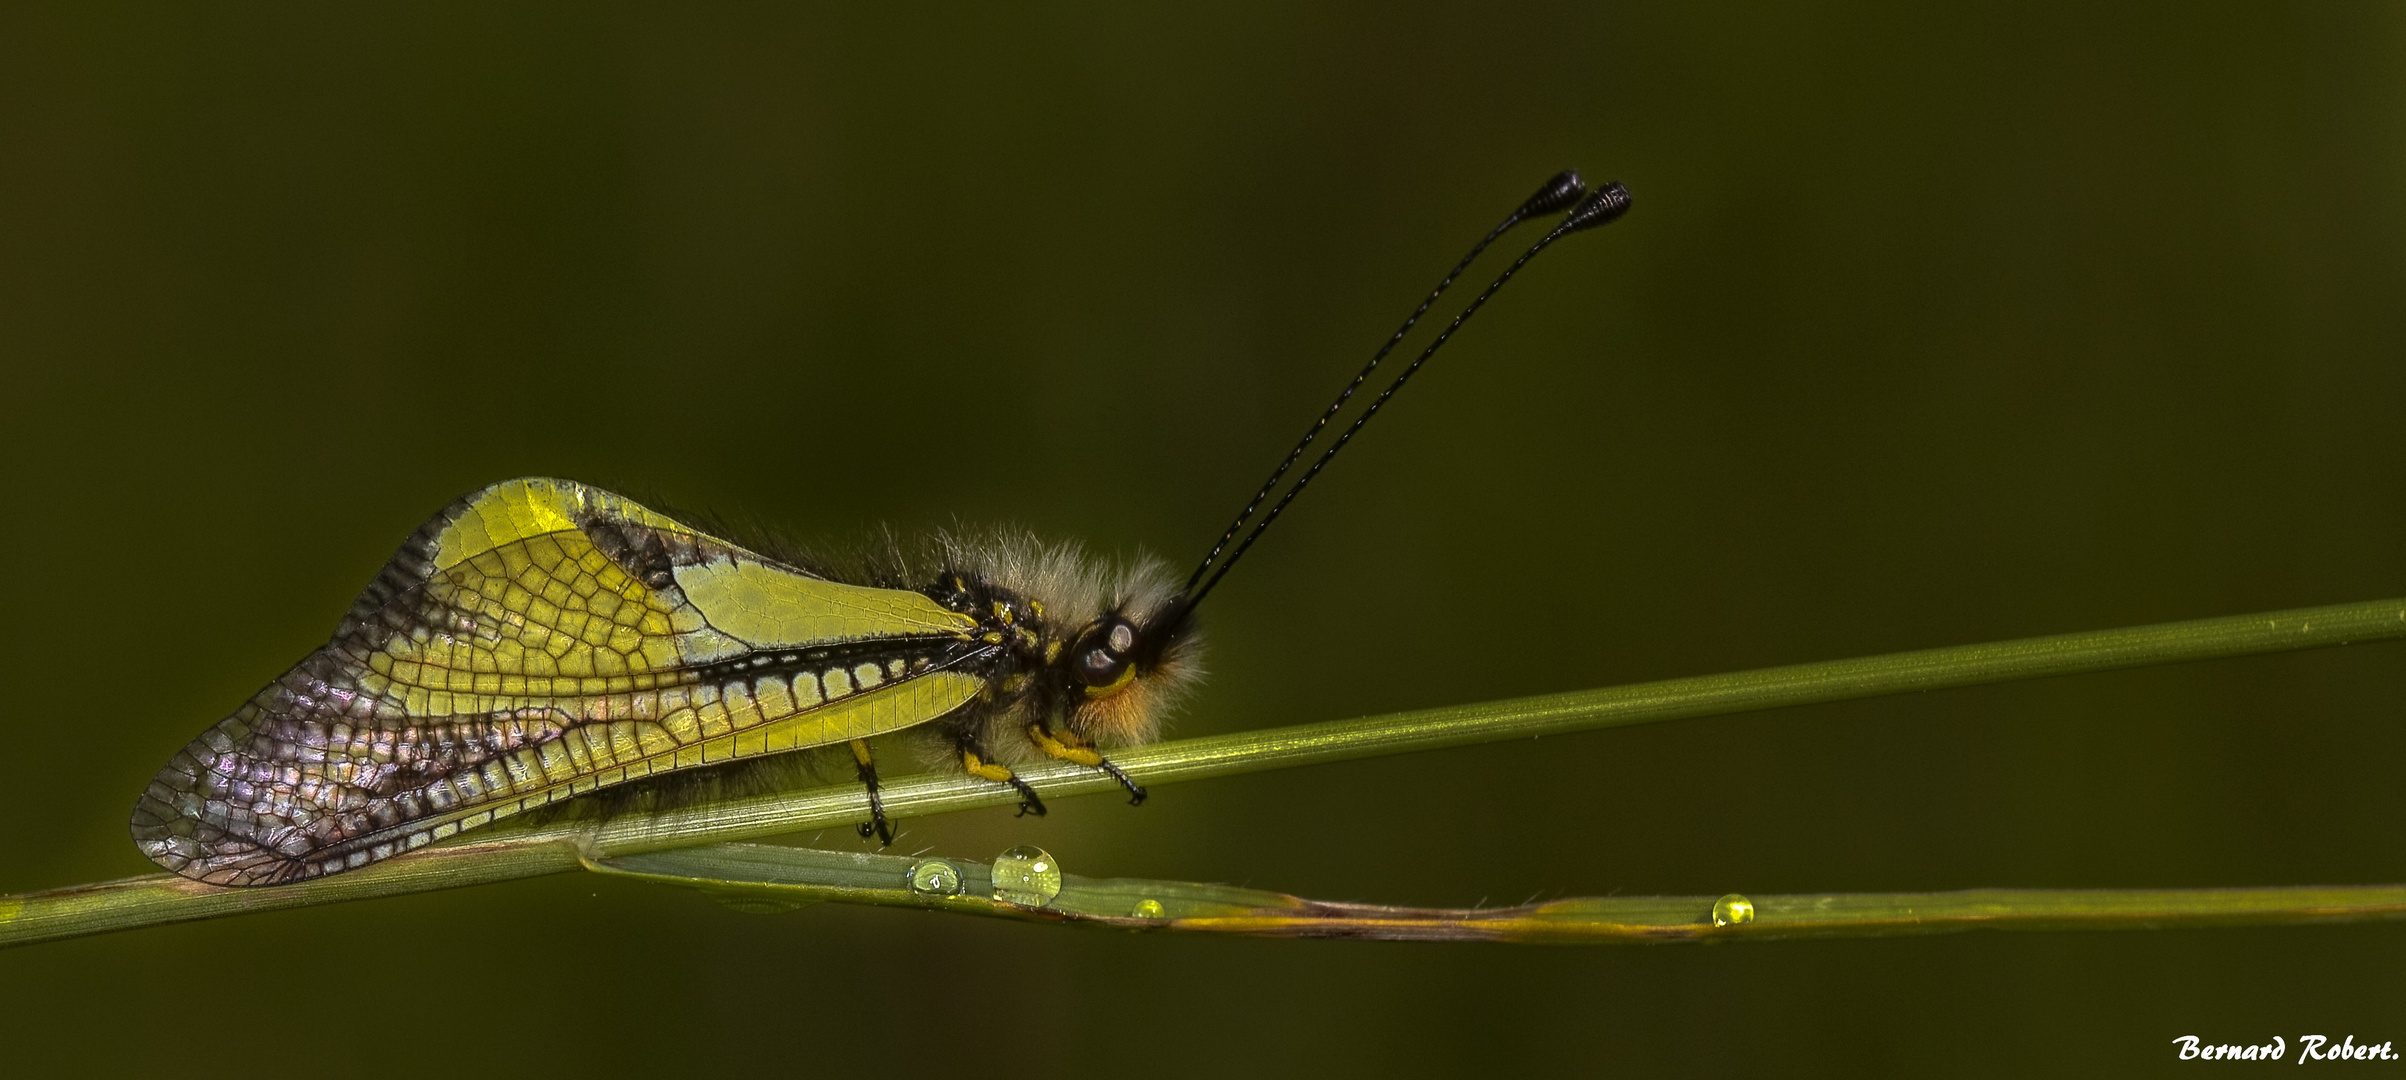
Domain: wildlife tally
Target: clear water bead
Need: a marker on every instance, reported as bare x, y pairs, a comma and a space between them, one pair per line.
935, 877
1026, 875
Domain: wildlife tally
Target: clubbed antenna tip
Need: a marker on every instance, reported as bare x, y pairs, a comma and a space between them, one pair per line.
1606, 204
1563, 189
1555, 196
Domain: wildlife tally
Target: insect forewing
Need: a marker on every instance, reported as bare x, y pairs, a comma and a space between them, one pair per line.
538, 640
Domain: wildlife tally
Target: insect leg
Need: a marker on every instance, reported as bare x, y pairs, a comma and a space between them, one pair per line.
973, 760
1069, 747
877, 808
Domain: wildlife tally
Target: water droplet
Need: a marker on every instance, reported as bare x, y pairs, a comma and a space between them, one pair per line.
1148, 908
1027, 876
935, 877
1732, 909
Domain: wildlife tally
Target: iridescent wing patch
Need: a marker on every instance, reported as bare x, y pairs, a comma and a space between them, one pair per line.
538, 640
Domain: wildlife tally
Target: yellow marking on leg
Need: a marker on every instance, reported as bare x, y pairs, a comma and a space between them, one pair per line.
1076, 754
978, 767
860, 752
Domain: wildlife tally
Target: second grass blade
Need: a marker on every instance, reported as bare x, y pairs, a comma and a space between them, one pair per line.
1028, 884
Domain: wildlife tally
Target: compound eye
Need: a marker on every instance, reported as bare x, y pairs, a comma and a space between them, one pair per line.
1099, 668
1103, 658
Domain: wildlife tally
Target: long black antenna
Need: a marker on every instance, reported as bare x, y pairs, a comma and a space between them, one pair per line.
1563, 189
1607, 204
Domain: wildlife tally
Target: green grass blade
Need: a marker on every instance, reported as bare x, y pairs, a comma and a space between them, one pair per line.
507, 852
766, 878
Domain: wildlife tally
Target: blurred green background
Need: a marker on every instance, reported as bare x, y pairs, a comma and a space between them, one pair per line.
1929, 327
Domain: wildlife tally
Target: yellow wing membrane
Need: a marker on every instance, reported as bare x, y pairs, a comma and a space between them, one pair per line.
537, 640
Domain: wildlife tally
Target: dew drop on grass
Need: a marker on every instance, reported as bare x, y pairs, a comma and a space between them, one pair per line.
1732, 909
1027, 876
935, 877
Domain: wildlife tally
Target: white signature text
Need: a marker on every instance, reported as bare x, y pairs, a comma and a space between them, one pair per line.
2309, 1048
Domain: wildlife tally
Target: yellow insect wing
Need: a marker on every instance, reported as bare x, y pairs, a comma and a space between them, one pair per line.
509, 534
537, 640
514, 510
892, 708
601, 754
535, 632
771, 607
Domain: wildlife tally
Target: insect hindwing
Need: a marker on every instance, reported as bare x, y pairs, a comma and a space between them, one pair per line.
537, 640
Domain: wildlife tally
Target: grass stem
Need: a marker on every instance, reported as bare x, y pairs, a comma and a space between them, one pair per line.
507, 852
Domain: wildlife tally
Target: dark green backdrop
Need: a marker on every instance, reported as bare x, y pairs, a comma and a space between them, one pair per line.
1928, 328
